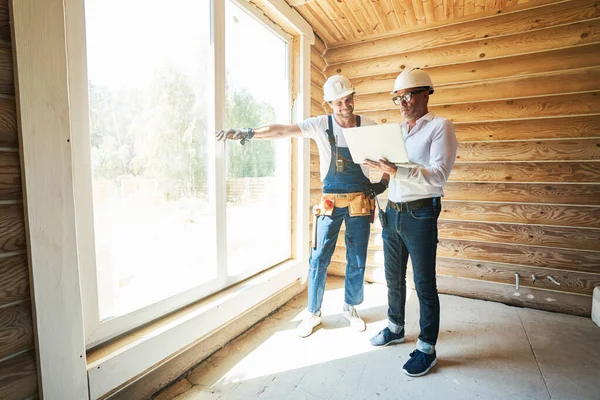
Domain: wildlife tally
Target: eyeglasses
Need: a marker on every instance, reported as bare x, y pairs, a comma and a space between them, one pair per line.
407, 97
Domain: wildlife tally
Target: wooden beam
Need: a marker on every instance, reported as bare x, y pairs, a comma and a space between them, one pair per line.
527, 129
482, 70
524, 297
10, 176
12, 228
527, 255
5, 33
563, 172
299, 3
541, 214
14, 286
537, 256
545, 150
534, 107
16, 329
18, 377
535, 235
571, 282
8, 123
555, 37
293, 18
556, 82
7, 78
562, 193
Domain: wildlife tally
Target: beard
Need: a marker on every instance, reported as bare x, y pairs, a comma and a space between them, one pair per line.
410, 113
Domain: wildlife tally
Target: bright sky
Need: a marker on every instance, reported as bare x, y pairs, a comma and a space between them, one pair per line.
128, 39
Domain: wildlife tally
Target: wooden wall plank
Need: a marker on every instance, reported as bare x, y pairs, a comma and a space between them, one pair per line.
510, 45
18, 377
319, 46
499, 25
557, 82
527, 255
7, 79
572, 282
4, 21
539, 128
8, 122
10, 176
536, 256
511, 66
588, 172
542, 214
316, 108
317, 60
317, 76
12, 228
534, 107
538, 150
537, 235
525, 297
574, 194
16, 329
14, 285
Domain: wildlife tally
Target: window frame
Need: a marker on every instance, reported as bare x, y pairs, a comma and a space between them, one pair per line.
51, 109
97, 331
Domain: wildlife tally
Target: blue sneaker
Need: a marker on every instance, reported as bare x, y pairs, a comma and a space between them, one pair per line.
419, 364
386, 337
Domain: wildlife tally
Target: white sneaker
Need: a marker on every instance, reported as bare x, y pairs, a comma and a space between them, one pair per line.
355, 320
308, 324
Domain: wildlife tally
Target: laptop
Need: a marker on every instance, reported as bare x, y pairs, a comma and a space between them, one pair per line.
373, 142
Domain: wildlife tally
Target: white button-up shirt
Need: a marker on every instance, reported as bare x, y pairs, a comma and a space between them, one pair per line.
432, 144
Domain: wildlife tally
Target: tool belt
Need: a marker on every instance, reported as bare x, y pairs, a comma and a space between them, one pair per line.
415, 205
358, 204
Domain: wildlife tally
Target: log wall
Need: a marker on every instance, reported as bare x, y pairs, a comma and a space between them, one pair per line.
523, 90
18, 376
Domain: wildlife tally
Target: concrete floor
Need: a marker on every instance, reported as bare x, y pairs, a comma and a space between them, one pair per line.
485, 351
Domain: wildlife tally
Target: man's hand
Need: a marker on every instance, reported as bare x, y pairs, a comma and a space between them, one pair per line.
375, 189
243, 135
383, 165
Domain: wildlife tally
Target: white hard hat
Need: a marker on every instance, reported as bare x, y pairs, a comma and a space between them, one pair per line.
336, 87
412, 78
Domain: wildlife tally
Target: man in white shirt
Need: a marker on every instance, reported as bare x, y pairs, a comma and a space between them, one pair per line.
347, 197
412, 213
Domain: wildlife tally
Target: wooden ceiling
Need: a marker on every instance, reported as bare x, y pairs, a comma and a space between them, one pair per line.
340, 22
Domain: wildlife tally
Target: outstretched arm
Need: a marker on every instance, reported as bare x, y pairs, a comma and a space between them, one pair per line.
276, 131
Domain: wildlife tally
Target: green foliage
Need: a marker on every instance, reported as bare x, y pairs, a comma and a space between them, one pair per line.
160, 133
257, 157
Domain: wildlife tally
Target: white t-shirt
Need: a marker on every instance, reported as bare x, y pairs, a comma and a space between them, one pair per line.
315, 128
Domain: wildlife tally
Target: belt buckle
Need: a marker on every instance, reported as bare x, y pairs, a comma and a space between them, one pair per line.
342, 195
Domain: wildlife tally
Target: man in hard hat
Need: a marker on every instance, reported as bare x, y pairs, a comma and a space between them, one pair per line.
412, 213
347, 197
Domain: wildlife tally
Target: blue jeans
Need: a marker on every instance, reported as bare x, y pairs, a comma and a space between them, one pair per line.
413, 233
357, 241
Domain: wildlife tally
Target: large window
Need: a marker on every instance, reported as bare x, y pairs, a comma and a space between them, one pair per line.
258, 174
161, 238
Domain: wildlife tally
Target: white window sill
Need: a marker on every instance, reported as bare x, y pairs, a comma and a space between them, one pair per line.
117, 362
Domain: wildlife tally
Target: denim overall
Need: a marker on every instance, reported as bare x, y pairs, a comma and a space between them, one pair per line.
350, 180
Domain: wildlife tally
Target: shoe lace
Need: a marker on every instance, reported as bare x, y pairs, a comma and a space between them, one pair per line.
354, 313
418, 355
